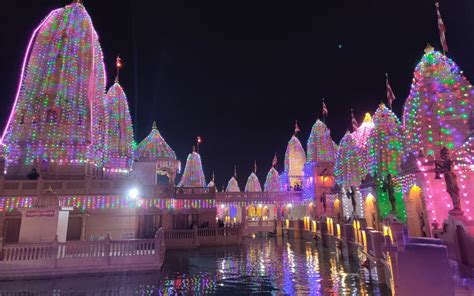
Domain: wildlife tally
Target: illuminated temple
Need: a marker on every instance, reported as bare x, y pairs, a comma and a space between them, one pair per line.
69, 137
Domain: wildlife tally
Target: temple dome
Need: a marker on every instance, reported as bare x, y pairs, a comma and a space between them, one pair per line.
193, 175
119, 136
438, 106
361, 135
59, 107
232, 185
321, 147
295, 159
349, 168
154, 147
253, 184
272, 182
386, 144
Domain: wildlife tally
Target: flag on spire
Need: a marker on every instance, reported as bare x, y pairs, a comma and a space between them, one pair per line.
390, 94
442, 29
274, 161
297, 128
325, 109
355, 124
255, 166
118, 64
235, 171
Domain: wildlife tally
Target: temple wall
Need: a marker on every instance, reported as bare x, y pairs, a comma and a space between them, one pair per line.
120, 224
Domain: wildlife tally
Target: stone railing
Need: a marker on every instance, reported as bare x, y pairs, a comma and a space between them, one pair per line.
194, 193
202, 237
49, 259
287, 196
78, 187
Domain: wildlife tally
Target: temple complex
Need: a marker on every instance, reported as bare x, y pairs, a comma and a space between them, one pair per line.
69, 162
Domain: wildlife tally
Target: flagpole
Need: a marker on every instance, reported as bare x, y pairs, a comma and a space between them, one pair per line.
324, 113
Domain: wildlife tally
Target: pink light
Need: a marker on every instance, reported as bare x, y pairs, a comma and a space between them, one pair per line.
27, 54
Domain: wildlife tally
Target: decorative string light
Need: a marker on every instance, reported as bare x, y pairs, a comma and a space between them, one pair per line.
272, 181
320, 146
119, 135
193, 175
295, 159
59, 108
437, 109
349, 168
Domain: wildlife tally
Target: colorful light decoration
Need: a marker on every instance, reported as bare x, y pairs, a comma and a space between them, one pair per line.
320, 146
437, 109
154, 147
386, 151
385, 144
232, 185
361, 135
349, 168
98, 202
253, 184
119, 136
295, 159
193, 175
272, 181
59, 113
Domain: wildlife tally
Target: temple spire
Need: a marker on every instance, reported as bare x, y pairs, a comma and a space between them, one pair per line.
118, 65
275, 160
235, 171
153, 127
255, 166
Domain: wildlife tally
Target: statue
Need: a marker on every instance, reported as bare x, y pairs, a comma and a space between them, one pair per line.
323, 201
389, 187
351, 195
446, 166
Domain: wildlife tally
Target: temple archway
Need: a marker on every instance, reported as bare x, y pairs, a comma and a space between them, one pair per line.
370, 211
337, 209
416, 218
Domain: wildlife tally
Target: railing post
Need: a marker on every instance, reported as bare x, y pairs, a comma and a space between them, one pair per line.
195, 236
107, 247
1, 248
159, 244
55, 251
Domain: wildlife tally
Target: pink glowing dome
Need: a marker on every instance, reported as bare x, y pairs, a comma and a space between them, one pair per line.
253, 184
58, 113
232, 185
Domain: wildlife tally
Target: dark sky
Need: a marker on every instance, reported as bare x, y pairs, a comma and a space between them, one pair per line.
239, 73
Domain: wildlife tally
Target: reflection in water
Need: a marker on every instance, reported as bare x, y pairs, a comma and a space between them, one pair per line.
271, 266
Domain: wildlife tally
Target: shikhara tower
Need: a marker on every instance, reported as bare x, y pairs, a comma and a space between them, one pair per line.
58, 117
436, 112
118, 155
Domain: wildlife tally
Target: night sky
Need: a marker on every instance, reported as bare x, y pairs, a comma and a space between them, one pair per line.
239, 73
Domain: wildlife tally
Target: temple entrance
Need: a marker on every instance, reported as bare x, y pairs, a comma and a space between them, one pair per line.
369, 211
11, 227
162, 180
148, 224
416, 219
74, 227
337, 209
